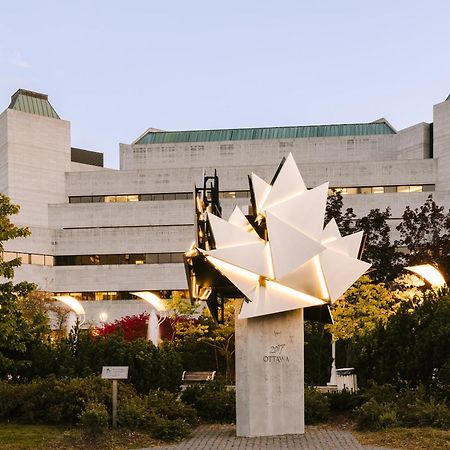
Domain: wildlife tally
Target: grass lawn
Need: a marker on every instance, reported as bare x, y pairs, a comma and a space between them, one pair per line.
40, 437
406, 438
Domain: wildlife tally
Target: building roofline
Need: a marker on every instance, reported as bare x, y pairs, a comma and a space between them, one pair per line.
380, 126
33, 103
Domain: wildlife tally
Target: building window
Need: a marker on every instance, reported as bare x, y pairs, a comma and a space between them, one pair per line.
127, 258
26, 258
117, 295
240, 194
151, 258
164, 258
8, 256
37, 259
49, 260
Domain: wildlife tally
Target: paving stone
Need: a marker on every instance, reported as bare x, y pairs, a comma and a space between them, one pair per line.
223, 437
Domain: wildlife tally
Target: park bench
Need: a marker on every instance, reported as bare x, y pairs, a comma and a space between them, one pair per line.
196, 377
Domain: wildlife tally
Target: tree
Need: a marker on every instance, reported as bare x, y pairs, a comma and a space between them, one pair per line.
17, 331
378, 249
425, 233
345, 220
220, 336
413, 347
130, 327
364, 308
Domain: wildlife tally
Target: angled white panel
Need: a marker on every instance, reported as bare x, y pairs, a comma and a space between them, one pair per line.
261, 190
330, 232
288, 184
308, 278
348, 245
340, 271
275, 298
252, 257
239, 220
305, 212
245, 282
290, 248
227, 235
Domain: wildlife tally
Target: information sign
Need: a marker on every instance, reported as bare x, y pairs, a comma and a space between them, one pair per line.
115, 372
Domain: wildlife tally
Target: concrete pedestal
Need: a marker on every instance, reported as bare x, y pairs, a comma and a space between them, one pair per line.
270, 375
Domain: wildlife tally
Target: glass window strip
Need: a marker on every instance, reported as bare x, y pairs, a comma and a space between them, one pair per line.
163, 196
119, 259
118, 295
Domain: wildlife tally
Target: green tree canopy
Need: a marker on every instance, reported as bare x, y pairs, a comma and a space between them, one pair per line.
378, 249
425, 233
18, 330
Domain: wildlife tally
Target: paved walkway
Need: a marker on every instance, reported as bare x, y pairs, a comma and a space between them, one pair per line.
222, 437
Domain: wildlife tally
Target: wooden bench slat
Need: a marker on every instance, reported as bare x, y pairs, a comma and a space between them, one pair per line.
198, 376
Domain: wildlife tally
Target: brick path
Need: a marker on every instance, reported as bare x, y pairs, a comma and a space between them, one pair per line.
222, 437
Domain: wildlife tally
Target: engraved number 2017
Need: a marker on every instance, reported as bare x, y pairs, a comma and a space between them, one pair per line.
277, 349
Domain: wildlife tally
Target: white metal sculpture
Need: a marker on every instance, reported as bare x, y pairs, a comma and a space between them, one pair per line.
299, 263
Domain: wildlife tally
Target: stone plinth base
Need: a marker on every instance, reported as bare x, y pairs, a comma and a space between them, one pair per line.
270, 375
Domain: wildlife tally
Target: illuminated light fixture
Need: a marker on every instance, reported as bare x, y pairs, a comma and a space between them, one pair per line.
204, 293
152, 299
103, 316
302, 264
429, 273
74, 305
153, 333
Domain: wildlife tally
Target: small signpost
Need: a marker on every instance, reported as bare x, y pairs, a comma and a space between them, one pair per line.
114, 373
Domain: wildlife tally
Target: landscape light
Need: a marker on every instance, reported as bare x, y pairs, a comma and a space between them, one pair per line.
151, 298
154, 322
429, 273
72, 303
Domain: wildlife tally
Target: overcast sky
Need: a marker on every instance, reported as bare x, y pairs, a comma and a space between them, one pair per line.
115, 68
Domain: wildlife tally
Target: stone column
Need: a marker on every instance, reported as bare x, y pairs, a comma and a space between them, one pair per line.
270, 374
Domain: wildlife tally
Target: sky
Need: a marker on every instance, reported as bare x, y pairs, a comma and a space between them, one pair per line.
116, 68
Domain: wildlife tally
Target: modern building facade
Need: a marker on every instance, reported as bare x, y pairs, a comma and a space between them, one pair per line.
100, 234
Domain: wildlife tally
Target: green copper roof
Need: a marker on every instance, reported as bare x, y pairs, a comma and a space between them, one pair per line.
33, 103
241, 134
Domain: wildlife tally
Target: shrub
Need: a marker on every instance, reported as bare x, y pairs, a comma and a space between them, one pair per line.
168, 430
14, 401
375, 416
133, 413
382, 393
317, 408
343, 401
167, 405
94, 418
54, 401
442, 381
212, 400
424, 413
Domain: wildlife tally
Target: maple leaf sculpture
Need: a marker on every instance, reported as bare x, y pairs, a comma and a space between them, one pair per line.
298, 263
